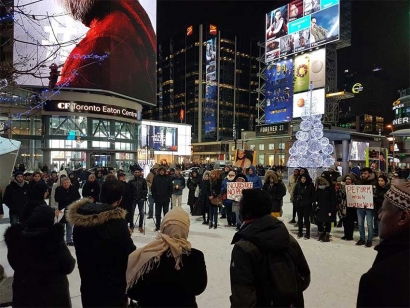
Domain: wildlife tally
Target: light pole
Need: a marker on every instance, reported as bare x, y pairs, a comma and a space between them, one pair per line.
393, 166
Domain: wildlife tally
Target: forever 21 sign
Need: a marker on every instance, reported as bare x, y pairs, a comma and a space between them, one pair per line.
272, 129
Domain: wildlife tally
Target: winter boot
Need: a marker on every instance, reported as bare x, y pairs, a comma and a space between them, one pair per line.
321, 236
326, 238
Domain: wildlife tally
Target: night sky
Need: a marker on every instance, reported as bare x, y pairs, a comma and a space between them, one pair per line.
380, 38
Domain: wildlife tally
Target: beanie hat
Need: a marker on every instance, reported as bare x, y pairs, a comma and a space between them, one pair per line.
399, 195
41, 217
18, 173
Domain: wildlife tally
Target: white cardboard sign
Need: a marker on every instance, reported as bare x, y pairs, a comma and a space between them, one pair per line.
359, 196
234, 189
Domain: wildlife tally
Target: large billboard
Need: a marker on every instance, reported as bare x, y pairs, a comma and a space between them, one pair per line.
159, 138
310, 68
279, 91
300, 25
105, 45
211, 89
315, 102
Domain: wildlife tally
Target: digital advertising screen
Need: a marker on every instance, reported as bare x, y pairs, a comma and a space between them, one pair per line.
279, 91
160, 138
211, 88
116, 53
301, 25
316, 103
310, 67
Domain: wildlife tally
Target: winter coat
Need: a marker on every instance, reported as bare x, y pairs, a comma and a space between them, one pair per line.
74, 180
326, 199
276, 191
139, 188
29, 207
91, 189
161, 188
65, 197
378, 197
255, 179
15, 197
215, 187
102, 244
192, 184
41, 262
371, 180
291, 186
180, 181
164, 286
303, 195
256, 244
387, 283
127, 200
205, 193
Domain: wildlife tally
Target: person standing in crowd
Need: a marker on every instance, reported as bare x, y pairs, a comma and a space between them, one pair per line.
215, 187
230, 216
194, 184
205, 191
167, 272
91, 189
326, 204
139, 190
276, 191
225, 172
161, 192
255, 267
28, 175
38, 193
40, 260
45, 168
178, 183
291, 186
74, 180
150, 177
235, 203
102, 245
303, 197
349, 214
382, 187
368, 178
99, 177
387, 283
16, 196
254, 178
65, 195
127, 200
52, 179
53, 202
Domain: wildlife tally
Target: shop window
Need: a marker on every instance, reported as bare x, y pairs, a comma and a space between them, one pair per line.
261, 159
252, 147
261, 147
281, 146
271, 160
271, 146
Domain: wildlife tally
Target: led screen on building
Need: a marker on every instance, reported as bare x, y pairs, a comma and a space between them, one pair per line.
300, 25
159, 138
116, 52
279, 91
211, 88
310, 68
316, 102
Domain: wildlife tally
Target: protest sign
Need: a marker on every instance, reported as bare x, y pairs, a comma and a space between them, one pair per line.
359, 196
234, 189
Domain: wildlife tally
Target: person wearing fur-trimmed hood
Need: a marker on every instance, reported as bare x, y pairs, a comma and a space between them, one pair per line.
276, 190
102, 245
326, 202
167, 272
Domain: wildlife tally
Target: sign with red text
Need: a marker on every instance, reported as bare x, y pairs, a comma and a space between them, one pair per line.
359, 196
234, 189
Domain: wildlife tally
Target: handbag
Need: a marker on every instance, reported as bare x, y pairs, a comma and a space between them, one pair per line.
217, 200
196, 193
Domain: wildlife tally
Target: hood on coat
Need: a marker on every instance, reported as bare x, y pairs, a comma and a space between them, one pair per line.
370, 179
352, 176
270, 173
267, 233
254, 171
322, 181
87, 214
206, 173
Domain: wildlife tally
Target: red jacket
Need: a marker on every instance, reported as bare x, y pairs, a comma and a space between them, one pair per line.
127, 37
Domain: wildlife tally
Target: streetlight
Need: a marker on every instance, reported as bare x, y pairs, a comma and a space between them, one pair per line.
391, 127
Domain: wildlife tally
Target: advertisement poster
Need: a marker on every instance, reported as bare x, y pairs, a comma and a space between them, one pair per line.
358, 150
376, 158
310, 68
279, 91
106, 56
159, 138
302, 70
245, 158
359, 196
316, 103
211, 88
301, 25
234, 189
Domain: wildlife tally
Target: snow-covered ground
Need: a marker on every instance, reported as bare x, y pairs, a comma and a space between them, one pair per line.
336, 267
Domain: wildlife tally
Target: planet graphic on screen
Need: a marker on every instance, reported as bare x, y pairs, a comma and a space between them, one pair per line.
317, 66
300, 102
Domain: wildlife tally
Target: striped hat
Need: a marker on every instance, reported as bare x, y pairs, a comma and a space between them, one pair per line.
399, 195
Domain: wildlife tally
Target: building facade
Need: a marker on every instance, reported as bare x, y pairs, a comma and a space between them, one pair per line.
207, 78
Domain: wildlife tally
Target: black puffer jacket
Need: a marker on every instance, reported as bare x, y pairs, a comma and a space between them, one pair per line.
303, 194
15, 197
255, 245
326, 198
192, 184
277, 191
41, 262
91, 189
378, 197
102, 245
161, 188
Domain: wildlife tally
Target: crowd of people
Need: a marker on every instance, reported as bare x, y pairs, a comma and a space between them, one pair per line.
268, 267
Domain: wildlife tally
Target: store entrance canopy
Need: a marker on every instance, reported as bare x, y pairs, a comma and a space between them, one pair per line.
8, 154
401, 133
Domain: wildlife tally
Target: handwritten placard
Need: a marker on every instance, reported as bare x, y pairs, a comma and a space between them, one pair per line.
359, 196
235, 189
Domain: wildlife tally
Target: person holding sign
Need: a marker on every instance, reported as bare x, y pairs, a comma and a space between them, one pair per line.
326, 203
367, 178
387, 283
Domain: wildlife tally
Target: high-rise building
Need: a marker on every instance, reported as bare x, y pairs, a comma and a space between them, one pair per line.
207, 78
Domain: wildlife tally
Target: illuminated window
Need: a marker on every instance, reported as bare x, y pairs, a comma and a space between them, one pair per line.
271, 146
261, 147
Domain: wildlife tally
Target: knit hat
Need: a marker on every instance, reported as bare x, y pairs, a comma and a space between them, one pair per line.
18, 173
241, 176
399, 195
231, 175
41, 217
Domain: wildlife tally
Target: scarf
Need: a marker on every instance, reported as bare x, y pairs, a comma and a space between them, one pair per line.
20, 184
172, 239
